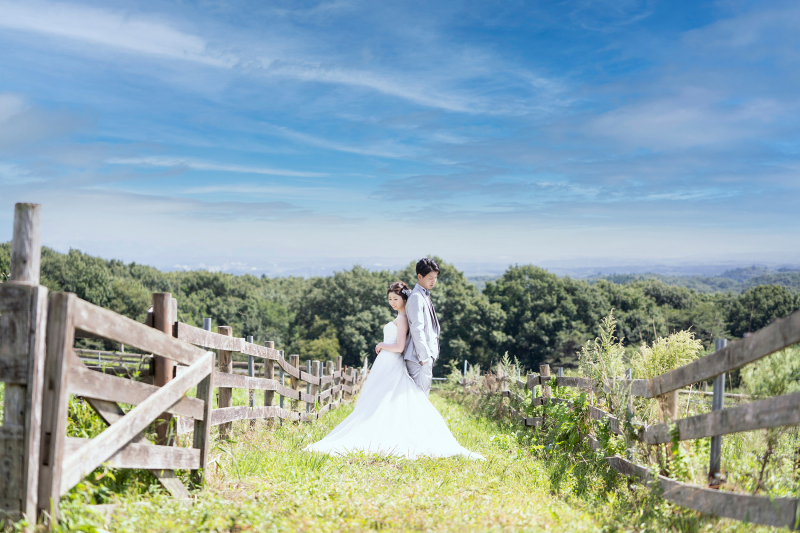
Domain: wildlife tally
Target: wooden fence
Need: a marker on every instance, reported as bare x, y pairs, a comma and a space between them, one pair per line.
326, 385
762, 414
40, 370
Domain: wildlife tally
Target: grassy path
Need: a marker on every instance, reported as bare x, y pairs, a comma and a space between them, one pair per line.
263, 482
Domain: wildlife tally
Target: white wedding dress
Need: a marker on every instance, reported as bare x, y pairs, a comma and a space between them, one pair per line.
393, 416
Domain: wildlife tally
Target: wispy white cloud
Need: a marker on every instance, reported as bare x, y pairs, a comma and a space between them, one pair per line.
327, 194
692, 118
691, 141
193, 164
11, 105
22, 123
607, 15
11, 174
750, 31
432, 85
401, 87
125, 31
391, 150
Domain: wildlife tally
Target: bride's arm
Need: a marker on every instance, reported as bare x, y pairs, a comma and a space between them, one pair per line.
400, 345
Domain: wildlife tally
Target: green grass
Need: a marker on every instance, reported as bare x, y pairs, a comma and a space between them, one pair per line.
262, 481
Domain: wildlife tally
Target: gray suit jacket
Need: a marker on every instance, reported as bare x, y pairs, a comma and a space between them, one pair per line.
422, 344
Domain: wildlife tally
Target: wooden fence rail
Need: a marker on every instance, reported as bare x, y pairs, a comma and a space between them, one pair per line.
41, 369
762, 414
337, 385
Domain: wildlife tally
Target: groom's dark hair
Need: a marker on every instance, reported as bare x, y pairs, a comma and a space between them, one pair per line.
426, 265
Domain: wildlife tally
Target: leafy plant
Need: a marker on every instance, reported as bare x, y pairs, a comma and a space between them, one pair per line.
665, 354
602, 360
774, 375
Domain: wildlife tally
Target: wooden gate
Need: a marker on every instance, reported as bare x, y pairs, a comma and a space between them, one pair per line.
64, 461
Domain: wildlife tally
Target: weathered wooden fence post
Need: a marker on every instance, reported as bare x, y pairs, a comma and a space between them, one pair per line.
202, 428
164, 367
251, 372
316, 372
351, 378
717, 403
282, 379
55, 401
225, 394
544, 371
668, 404
328, 386
338, 381
294, 360
23, 323
269, 373
308, 385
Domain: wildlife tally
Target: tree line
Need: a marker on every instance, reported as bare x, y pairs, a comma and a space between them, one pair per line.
528, 312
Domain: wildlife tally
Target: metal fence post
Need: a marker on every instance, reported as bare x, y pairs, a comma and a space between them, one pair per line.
714, 479
629, 377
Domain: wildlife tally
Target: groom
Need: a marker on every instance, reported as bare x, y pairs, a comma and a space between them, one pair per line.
422, 345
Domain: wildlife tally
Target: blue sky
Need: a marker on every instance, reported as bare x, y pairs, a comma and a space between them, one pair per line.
299, 137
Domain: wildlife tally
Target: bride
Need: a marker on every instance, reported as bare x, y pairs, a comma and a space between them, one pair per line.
393, 416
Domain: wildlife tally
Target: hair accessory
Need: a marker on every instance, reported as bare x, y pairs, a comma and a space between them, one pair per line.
406, 292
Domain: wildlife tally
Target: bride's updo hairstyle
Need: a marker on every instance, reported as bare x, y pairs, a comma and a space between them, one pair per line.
400, 289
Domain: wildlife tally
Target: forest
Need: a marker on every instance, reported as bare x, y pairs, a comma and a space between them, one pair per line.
529, 313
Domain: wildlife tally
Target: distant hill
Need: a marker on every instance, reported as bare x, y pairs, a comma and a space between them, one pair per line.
736, 281
790, 280
744, 274
480, 281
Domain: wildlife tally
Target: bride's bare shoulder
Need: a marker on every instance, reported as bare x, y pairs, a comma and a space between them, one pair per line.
401, 321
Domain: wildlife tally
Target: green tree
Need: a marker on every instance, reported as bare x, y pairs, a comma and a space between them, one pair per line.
759, 306
129, 298
320, 342
354, 302
639, 319
86, 276
547, 318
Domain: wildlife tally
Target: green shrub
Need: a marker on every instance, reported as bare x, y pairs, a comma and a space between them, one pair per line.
774, 375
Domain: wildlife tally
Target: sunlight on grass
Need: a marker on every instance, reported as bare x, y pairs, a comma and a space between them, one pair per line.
261, 480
